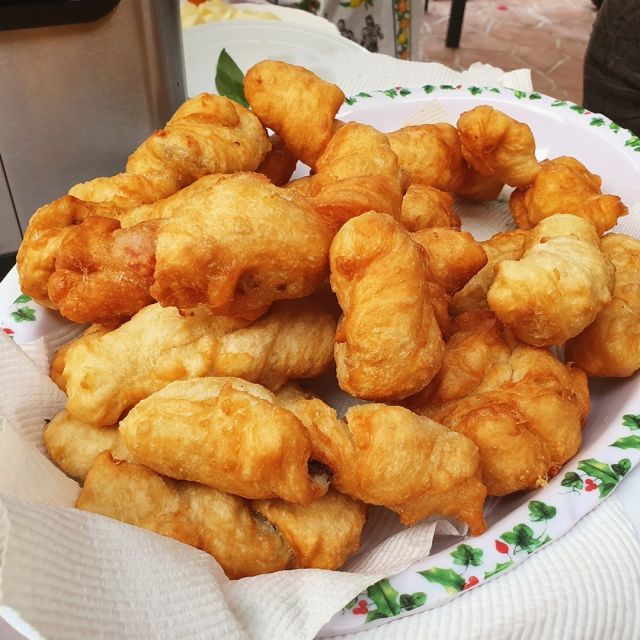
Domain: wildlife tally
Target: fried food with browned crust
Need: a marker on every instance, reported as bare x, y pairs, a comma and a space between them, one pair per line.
279, 164
478, 187
207, 134
522, 407
425, 207
301, 185
239, 244
558, 287
103, 273
298, 105
388, 343
358, 172
565, 185
610, 346
496, 145
508, 245
226, 433
389, 456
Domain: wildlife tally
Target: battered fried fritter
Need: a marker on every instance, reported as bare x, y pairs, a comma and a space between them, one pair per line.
610, 346
424, 207
502, 246
357, 172
496, 145
564, 185
301, 185
279, 164
227, 434
559, 285
522, 407
388, 343
238, 245
296, 104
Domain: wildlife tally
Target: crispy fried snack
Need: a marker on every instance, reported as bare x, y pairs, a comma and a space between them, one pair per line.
207, 134
73, 445
559, 285
522, 407
478, 187
496, 145
238, 245
301, 185
389, 456
564, 185
610, 346
508, 245
296, 104
388, 343
357, 172
424, 207
227, 434
279, 164
102, 272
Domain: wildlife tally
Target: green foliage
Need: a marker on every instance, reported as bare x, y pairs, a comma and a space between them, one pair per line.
229, 79
466, 555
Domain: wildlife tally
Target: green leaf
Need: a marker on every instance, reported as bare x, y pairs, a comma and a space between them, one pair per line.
539, 511
392, 93
521, 536
633, 141
622, 467
474, 91
385, 598
614, 127
229, 79
577, 108
598, 469
629, 442
405, 92
363, 94
572, 480
535, 96
351, 101
596, 122
351, 603
24, 314
520, 94
494, 90
448, 578
408, 602
559, 103
429, 88
467, 555
605, 488
447, 86
631, 421
21, 299
500, 567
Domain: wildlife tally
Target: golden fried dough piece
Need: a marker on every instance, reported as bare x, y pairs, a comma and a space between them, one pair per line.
564, 185
227, 434
301, 185
454, 256
610, 346
322, 534
430, 155
47, 229
357, 172
478, 187
499, 146
388, 343
103, 273
238, 245
559, 285
507, 245
294, 102
522, 407
279, 164
73, 445
224, 526
424, 207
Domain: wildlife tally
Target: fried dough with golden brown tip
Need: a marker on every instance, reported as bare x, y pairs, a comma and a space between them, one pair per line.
323, 534
610, 346
103, 273
301, 185
508, 245
357, 172
388, 344
478, 187
425, 207
522, 407
238, 245
558, 287
298, 105
279, 164
225, 433
564, 185
495, 144
225, 526
454, 256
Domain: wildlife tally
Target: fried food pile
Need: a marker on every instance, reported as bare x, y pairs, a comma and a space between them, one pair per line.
217, 288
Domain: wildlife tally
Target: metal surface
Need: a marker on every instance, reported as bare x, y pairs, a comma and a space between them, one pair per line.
9, 229
77, 99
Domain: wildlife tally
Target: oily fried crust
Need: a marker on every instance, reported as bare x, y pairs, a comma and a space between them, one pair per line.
279, 164
564, 185
610, 346
499, 146
425, 207
225, 433
294, 102
388, 343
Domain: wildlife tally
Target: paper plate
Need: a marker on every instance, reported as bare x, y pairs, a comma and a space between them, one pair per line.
521, 524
